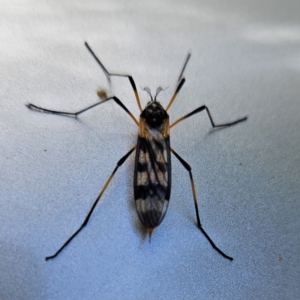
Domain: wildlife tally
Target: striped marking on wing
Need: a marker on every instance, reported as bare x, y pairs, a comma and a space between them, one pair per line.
152, 167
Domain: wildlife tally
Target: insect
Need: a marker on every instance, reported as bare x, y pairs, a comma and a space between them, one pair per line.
152, 174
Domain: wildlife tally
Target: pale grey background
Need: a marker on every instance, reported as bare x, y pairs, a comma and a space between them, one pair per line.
245, 61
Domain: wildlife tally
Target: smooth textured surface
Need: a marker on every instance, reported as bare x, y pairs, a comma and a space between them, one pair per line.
245, 61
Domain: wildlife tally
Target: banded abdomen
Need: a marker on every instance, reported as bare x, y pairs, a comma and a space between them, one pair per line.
152, 180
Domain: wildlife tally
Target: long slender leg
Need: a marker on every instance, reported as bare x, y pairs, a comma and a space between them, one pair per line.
184, 66
114, 74
189, 169
34, 107
119, 163
201, 108
181, 83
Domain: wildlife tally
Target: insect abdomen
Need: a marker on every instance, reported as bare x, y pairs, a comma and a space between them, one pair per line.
152, 180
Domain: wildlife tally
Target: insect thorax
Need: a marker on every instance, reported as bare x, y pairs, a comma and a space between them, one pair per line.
154, 114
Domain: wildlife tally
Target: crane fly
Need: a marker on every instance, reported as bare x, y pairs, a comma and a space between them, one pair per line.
152, 173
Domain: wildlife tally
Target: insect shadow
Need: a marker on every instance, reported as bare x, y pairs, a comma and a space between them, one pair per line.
152, 173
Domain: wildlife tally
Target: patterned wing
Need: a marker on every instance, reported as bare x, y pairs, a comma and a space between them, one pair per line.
152, 180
